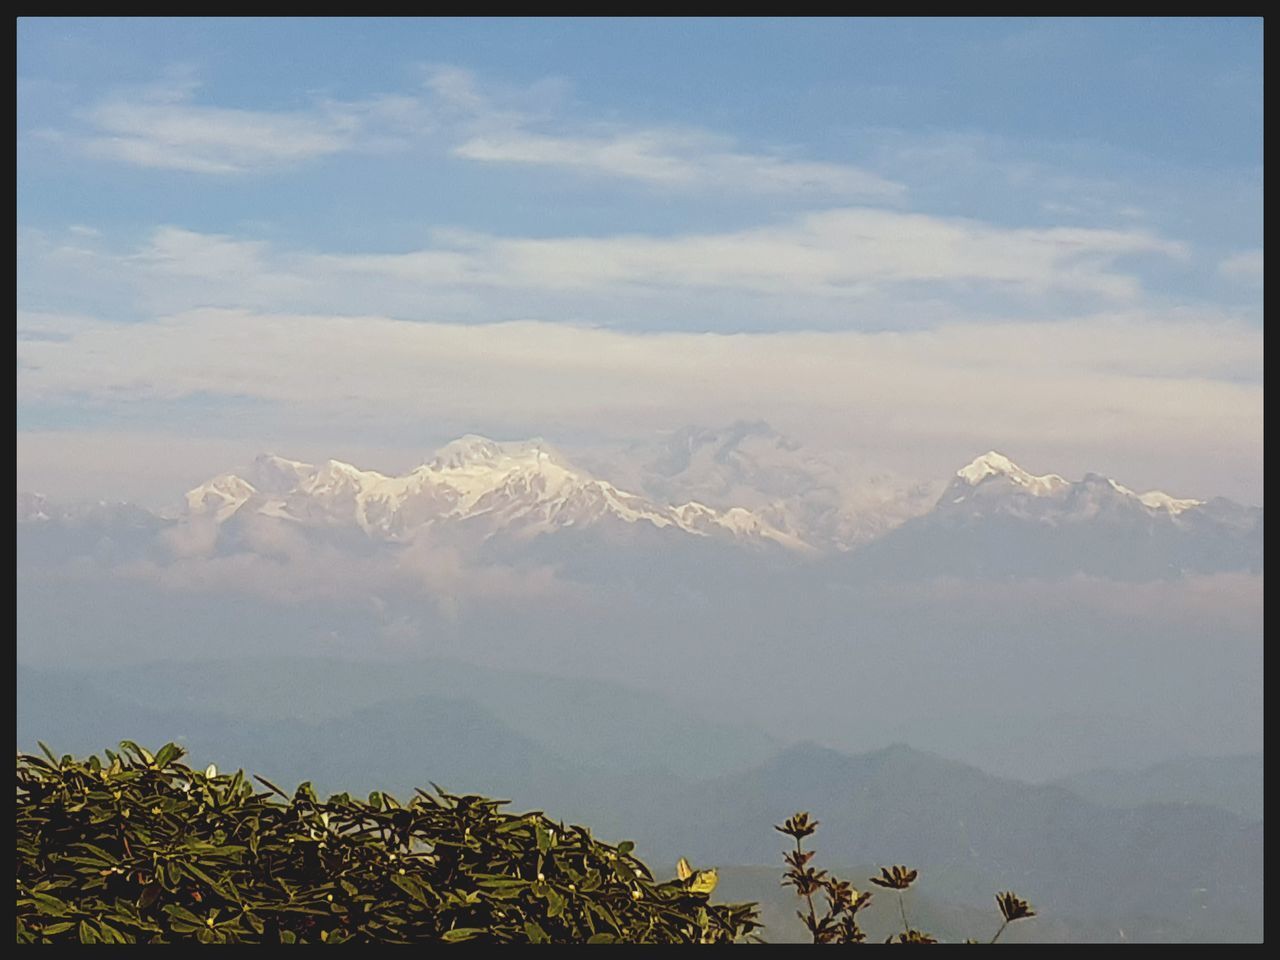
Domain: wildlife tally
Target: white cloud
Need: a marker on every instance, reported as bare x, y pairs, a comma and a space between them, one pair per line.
892, 267
504, 133
1244, 267
163, 127
838, 252
276, 562
40, 325
664, 158
1185, 397
205, 139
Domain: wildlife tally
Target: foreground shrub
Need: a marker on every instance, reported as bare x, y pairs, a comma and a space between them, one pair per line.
141, 848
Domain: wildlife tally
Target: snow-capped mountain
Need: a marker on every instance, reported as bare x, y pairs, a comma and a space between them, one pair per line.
518, 490
993, 485
742, 487
830, 505
96, 514
995, 518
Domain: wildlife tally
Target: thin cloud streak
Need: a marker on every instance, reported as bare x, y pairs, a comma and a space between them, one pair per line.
163, 127
1246, 267
837, 257
213, 140
668, 159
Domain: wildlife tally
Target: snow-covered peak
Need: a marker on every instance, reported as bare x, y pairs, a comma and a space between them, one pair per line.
276, 475
221, 496
992, 464
335, 476
473, 451
464, 451
1158, 500
269, 461
340, 468
1048, 499
473, 484
1152, 499
986, 465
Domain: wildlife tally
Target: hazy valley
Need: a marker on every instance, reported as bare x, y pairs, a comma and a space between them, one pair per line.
661, 657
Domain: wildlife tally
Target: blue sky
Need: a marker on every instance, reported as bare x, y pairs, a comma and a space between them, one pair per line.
910, 239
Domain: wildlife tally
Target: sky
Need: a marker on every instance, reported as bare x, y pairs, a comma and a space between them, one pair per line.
909, 240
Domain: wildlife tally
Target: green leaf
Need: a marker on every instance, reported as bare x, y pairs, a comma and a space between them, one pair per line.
411, 887
460, 934
271, 786
178, 912
49, 905
535, 933
96, 853
168, 753
555, 903
150, 894
131, 747
110, 934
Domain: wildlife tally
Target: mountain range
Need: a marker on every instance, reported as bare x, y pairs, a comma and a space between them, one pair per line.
743, 487
1035, 626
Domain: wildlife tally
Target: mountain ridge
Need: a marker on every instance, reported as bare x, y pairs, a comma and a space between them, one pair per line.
991, 517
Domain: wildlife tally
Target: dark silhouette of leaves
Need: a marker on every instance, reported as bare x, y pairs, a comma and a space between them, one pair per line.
143, 849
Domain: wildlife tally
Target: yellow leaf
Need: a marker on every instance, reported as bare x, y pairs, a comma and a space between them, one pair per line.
683, 870
705, 881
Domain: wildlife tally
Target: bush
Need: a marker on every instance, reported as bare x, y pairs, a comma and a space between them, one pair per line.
836, 920
139, 847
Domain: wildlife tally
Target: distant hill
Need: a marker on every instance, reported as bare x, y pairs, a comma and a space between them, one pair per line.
597, 724
1233, 783
997, 520
1198, 869
1155, 871
399, 744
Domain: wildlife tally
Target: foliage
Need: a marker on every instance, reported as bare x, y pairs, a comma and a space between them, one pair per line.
837, 922
141, 848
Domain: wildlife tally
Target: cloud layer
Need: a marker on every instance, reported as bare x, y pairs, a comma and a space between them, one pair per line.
845, 298
1105, 384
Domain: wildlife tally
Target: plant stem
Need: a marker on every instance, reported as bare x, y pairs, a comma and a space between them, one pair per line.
813, 913
1000, 931
902, 908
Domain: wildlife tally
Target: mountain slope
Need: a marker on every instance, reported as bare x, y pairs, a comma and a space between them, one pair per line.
997, 520
1232, 783
972, 833
599, 724
513, 490
751, 492
750, 464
